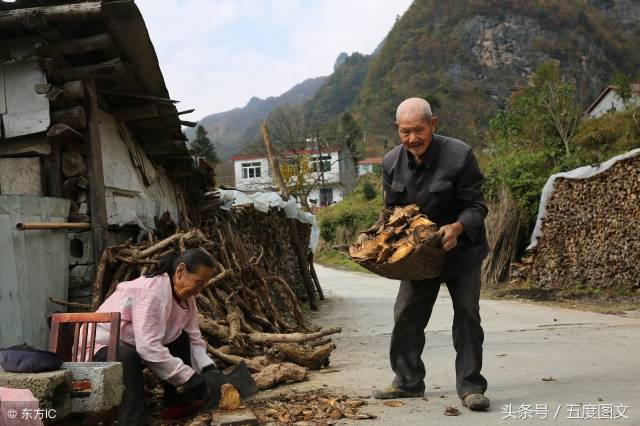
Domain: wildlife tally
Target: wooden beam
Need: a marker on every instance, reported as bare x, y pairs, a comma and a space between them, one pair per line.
83, 45
97, 199
136, 112
188, 123
138, 96
40, 25
102, 70
27, 146
52, 165
68, 12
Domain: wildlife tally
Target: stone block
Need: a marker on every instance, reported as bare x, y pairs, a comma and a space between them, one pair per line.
105, 389
234, 418
81, 276
51, 388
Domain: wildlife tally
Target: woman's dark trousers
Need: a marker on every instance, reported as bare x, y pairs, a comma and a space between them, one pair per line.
133, 410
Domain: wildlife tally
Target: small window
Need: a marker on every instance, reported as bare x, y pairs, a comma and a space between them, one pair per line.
251, 170
321, 163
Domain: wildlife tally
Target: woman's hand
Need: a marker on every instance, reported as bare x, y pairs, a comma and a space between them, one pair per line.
196, 389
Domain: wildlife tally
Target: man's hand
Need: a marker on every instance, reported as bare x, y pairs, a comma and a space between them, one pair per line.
450, 234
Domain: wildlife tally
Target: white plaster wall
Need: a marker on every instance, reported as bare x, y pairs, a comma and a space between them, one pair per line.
612, 101
264, 182
129, 199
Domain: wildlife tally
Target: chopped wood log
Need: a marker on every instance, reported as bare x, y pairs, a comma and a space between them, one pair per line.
73, 117
97, 285
312, 358
208, 326
165, 243
73, 186
69, 94
234, 359
589, 234
117, 278
64, 133
73, 164
70, 304
107, 69
276, 374
263, 338
289, 297
230, 399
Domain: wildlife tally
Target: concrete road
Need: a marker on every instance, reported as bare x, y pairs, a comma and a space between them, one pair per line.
593, 359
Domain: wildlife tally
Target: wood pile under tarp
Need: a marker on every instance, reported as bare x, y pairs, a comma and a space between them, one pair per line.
249, 311
590, 234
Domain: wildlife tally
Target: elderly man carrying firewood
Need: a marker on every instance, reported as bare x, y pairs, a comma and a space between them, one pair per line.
440, 175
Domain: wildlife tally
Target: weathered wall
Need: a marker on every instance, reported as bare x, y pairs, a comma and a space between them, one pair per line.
33, 266
135, 190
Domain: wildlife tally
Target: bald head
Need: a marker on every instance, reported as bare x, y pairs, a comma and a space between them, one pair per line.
413, 108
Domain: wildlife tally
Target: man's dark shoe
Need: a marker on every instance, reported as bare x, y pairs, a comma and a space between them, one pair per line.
393, 393
476, 402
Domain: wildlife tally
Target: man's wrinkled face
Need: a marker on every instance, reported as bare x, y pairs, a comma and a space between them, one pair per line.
416, 131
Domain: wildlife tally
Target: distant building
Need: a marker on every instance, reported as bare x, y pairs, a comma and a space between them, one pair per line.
335, 174
369, 165
610, 101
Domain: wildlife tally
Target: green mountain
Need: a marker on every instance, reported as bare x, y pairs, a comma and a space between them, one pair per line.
231, 130
339, 91
468, 57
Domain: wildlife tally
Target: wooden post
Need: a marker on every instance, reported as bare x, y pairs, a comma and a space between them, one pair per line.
293, 227
316, 281
53, 171
97, 200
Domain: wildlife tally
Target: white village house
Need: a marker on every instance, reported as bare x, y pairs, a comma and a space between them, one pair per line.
369, 165
611, 101
335, 174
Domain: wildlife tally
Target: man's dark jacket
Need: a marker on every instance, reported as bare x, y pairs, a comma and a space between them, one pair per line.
447, 187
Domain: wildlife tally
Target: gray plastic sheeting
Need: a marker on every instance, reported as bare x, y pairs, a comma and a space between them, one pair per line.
263, 201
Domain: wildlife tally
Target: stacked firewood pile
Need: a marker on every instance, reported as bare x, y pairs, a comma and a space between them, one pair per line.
248, 313
591, 231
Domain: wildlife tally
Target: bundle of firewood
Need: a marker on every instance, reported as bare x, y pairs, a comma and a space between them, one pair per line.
590, 234
402, 244
246, 314
394, 236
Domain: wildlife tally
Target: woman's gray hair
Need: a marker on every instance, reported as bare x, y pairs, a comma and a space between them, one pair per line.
416, 102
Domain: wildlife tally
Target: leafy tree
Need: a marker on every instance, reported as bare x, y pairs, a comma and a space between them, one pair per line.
559, 102
622, 82
203, 146
350, 134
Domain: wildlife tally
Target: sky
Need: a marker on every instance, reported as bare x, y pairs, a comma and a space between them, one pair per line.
217, 54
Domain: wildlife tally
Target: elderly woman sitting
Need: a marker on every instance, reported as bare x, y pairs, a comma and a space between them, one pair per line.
159, 329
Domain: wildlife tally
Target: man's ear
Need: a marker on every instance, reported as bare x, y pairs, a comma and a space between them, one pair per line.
395, 123
434, 122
